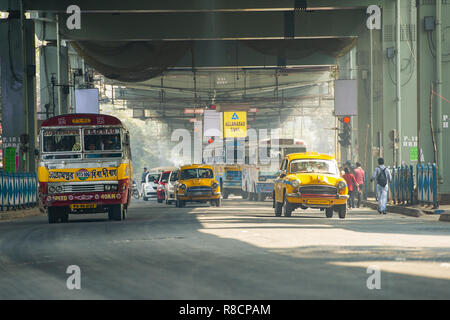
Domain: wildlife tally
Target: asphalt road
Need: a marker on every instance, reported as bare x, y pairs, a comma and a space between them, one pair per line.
238, 251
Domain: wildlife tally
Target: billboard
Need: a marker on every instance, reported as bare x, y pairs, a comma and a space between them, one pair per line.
345, 98
86, 101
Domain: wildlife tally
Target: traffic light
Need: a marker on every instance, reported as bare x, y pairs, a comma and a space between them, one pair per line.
24, 141
211, 140
345, 136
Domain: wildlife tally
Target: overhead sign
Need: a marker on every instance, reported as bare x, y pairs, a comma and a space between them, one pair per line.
235, 124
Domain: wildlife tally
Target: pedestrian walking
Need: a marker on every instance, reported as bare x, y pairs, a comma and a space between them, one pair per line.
143, 177
360, 177
383, 176
351, 185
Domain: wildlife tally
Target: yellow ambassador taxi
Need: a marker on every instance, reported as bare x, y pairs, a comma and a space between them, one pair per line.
310, 180
197, 183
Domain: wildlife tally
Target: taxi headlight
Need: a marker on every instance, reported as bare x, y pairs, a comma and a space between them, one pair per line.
341, 185
51, 189
183, 186
296, 183
215, 185
107, 187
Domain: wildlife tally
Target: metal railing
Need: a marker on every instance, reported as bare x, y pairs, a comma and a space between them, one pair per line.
402, 185
18, 190
426, 181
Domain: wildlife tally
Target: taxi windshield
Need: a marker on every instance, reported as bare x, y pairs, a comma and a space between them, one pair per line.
61, 140
313, 166
196, 173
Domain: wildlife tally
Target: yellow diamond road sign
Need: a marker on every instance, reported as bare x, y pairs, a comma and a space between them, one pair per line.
235, 124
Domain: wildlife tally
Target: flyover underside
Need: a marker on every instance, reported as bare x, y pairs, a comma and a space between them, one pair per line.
394, 67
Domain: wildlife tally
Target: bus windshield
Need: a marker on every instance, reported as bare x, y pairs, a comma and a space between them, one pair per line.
61, 140
233, 175
102, 139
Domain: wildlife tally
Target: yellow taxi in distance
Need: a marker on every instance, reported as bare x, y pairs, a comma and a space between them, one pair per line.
310, 180
197, 183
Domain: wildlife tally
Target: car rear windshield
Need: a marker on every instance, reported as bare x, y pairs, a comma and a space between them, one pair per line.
165, 177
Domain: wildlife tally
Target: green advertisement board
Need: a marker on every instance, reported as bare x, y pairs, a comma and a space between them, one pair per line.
9, 158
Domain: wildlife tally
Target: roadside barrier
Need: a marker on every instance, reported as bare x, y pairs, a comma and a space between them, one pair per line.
426, 181
402, 185
18, 190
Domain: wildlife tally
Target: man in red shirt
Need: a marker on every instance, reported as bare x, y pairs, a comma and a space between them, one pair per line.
360, 177
352, 187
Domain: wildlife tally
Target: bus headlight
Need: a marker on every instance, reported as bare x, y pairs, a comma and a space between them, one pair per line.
215, 185
183, 186
51, 189
296, 183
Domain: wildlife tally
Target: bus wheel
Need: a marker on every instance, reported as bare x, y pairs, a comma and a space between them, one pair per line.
116, 212
329, 212
53, 214
218, 202
65, 215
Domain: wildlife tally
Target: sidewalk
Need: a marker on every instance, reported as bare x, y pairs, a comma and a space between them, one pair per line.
22, 213
413, 211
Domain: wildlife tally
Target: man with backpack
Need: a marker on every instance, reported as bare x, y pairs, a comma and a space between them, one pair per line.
383, 177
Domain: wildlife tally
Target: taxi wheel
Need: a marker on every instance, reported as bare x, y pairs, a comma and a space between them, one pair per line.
287, 208
278, 209
342, 211
218, 202
225, 195
329, 212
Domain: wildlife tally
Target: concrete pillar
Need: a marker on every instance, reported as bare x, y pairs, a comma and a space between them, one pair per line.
407, 43
49, 87
18, 86
427, 76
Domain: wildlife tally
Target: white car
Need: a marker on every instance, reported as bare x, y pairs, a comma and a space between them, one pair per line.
169, 187
150, 185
